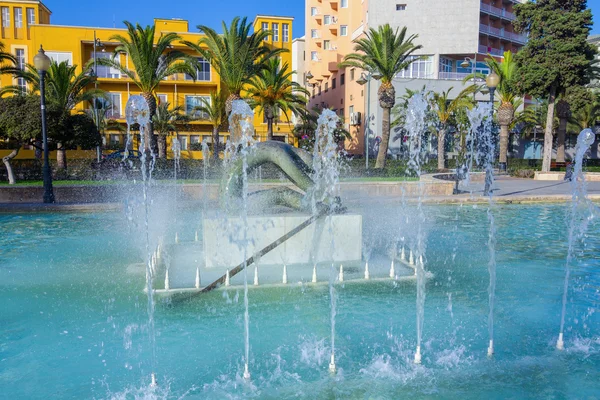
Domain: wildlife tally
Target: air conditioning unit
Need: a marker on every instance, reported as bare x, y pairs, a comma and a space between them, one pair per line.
355, 118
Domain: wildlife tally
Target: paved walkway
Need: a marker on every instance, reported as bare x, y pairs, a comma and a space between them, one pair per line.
507, 186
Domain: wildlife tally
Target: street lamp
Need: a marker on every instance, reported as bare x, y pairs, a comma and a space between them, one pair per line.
365, 77
491, 81
41, 63
97, 44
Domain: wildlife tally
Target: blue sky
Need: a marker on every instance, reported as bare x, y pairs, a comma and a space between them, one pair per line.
206, 12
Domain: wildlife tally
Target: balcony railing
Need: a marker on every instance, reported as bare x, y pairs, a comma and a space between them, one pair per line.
498, 12
493, 51
357, 32
456, 76
501, 33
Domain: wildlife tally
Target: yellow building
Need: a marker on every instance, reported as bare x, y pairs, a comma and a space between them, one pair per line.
26, 26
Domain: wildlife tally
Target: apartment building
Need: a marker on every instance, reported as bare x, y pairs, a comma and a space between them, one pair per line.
456, 35
26, 26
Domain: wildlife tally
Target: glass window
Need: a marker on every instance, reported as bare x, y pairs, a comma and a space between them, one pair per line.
313, 11
195, 101
344, 3
60, 56
314, 56
183, 141
30, 16
400, 7
326, 87
352, 74
203, 73
333, 83
344, 30
265, 27
285, 31
5, 17
276, 32
342, 79
327, 19
114, 108
103, 71
18, 17
20, 56
22, 84
194, 139
445, 64
162, 98
422, 67
115, 139
327, 44
350, 110
314, 33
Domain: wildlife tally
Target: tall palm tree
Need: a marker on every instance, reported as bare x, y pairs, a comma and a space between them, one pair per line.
506, 92
236, 55
7, 58
165, 121
388, 52
272, 92
445, 109
65, 88
214, 111
152, 63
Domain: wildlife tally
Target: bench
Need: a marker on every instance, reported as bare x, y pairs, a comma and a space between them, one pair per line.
556, 166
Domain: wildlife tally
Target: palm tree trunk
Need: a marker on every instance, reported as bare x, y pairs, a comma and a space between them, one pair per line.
441, 156
547, 159
149, 137
61, 156
162, 146
270, 128
385, 139
215, 140
560, 140
9, 170
503, 157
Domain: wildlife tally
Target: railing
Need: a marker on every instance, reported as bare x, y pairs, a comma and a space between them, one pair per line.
457, 76
498, 12
357, 32
495, 52
501, 33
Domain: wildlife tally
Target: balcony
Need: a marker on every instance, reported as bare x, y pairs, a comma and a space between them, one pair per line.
497, 12
502, 34
490, 50
455, 76
357, 32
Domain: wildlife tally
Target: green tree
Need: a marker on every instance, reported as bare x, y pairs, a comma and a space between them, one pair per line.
507, 96
99, 114
165, 121
214, 111
586, 115
65, 88
387, 52
556, 56
273, 92
152, 63
446, 109
236, 54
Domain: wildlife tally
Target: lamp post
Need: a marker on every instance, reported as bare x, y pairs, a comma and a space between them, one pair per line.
42, 62
366, 77
491, 81
467, 62
97, 43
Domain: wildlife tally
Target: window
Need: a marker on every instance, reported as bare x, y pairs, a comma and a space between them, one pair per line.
285, 32
22, 85
203, 72
352, 74
327, 44
60, 56
314, 33
276, 32
350, 110
342, 79
194, 139
445, 64
183, 141
192, 102
313, 11
115, 139
114, 108
30, 16
5, 17
20, 56
103, 71
480, 67
162, 99
327, 20
422, 67
313, 92
400, 7
18, 17
344, 3
326, 87
314, 56
265, 27
319, 93
333, 83
343, 30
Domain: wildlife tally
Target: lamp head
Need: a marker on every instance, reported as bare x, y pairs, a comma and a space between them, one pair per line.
466, 63
492, 80
376, 75
41, 61
361, 81
309, 76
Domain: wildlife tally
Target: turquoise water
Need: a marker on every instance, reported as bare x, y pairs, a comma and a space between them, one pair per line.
73, 320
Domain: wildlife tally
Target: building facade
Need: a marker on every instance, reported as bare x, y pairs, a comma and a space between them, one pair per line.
26, 26
451, 32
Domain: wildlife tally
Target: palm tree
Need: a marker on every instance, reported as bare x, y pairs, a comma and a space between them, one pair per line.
214, 111
99, 114
236, 55
165, 122
506, 95
445, 110
65, 88
272, 91
7, 58
586, 116
387, 52
152, 63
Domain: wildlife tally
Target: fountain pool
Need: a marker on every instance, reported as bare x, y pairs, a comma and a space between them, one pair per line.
73, 322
